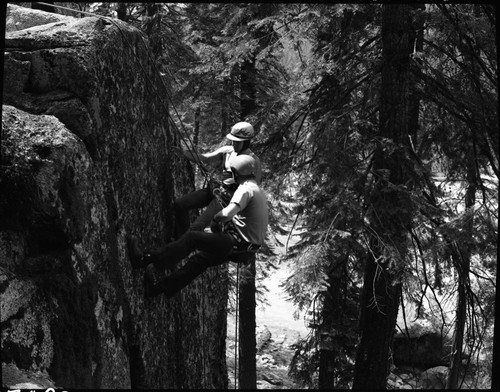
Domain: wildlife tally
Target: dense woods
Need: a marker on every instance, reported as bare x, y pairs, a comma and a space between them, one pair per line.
377, 127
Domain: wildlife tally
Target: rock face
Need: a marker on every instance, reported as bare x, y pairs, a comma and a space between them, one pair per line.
85, 162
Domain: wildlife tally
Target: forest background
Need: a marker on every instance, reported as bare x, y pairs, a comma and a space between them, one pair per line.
377, 126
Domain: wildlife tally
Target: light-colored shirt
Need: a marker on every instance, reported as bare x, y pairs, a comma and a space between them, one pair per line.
251, 221
228, 154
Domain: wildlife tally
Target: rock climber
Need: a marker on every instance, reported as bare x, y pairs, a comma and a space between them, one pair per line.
239, 227
240, 135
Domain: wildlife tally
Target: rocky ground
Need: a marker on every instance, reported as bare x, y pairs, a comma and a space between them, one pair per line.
274, 354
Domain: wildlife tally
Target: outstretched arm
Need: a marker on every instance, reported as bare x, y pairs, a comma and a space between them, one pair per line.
227, 213
194, 156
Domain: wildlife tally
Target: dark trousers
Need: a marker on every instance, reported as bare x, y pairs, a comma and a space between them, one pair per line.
213, 249
196, 199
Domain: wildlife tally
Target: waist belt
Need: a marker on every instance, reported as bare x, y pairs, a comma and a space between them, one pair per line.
240, 245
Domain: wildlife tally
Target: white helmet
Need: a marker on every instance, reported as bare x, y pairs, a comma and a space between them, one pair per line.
241, 131
243, 165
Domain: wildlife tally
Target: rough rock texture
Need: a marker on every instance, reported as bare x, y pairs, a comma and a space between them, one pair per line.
422, 346
85, 162
434, 378
18, 19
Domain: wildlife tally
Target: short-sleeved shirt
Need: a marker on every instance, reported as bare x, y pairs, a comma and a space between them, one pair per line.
228, 154
251, 221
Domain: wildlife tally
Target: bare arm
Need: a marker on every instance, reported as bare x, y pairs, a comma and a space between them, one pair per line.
227, 213
194, 156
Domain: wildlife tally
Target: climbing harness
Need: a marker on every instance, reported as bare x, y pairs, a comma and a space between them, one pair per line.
240, 246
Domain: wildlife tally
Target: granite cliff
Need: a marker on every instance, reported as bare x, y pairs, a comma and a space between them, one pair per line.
85, 162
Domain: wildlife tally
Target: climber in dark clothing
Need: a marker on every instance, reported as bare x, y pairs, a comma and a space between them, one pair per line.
240, 135
239, 227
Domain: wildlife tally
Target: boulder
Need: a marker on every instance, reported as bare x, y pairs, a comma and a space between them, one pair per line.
85, 162
25, 379
434, 378
421, 346
21, 18
263, 337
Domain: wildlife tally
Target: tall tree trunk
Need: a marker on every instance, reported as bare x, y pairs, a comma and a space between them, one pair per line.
417, 36
121, 11
247, 366
225, 108
224, 127
247, 373
462, 264
389, 216
248, 89
196, 136
458, 335
332, 319
495, 377
152, 27
247, 376
248, 106
264, 34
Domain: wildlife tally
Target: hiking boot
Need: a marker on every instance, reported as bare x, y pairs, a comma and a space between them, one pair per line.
154, 281
134, 253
